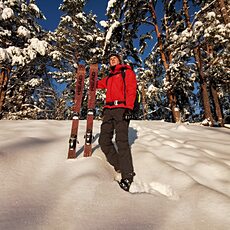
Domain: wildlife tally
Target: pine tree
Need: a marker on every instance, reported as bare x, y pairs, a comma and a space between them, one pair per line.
212, 35
76, 38
23, 53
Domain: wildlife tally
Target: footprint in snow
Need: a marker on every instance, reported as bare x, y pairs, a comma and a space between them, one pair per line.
139, 186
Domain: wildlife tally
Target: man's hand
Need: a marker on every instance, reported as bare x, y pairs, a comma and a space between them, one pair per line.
128, 114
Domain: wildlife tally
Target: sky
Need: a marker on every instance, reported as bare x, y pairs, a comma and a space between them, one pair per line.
182, 178
98, 7
52, 14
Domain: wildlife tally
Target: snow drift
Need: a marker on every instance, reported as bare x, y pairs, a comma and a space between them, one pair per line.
182, 182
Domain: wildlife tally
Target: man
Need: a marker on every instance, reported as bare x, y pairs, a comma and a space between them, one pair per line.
120, 97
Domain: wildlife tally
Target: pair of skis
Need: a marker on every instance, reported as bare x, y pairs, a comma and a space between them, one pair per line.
80, 80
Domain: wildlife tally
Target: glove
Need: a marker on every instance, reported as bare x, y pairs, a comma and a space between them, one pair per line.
128, 114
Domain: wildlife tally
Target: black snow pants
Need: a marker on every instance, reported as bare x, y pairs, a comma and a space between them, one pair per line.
120, 158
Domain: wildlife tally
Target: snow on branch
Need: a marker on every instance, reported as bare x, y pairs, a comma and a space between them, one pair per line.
110, 32
19, 56
36, 11
38, 45
23, 32
202, 10
82, 17
110, 5
103, 23
6, 13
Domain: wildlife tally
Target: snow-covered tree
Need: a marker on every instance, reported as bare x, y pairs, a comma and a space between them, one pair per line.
23, 53
182, 41
178, 48
210, 37
187, 56
76, 39
122, 29
77, 35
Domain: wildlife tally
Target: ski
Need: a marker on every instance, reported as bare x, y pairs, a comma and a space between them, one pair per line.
80, 77
91, 107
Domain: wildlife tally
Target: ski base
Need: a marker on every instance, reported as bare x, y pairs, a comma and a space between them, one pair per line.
91, 107
80, 77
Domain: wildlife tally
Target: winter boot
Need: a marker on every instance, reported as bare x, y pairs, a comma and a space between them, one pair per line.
126, 182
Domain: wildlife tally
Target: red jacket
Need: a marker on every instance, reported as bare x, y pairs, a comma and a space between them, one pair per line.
114, 85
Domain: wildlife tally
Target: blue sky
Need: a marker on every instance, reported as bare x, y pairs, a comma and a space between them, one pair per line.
52, 14
98, 7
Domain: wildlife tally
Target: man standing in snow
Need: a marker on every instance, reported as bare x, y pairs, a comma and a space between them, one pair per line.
120, 97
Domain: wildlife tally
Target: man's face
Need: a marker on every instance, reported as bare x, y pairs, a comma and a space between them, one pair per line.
114, 60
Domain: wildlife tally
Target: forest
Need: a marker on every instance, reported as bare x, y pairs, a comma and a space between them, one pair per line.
179, 49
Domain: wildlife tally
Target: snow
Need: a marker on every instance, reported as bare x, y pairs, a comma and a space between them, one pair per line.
110, 5
56, 55
7, 13
211, 15
82, 17
182, 181
66, 18
20, 56
109, 33
152, 88
198, 24
38, 46
89, 37
23, 31
34, 82
103, 23
35, 8
3, 54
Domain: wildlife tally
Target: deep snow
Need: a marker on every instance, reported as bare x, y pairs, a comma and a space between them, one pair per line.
182, 182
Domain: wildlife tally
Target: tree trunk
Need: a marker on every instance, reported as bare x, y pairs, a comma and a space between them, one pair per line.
204, 91
224, 11
4, 75
217, 105
170, 94
144, 104
214, 93
172, 98
186, 12
175, 110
